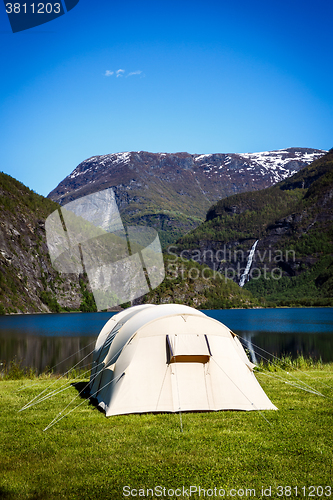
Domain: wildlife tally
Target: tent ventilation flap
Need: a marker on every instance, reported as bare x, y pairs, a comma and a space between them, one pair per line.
183, 348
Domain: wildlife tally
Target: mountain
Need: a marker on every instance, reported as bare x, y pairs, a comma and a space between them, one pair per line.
293, 216
172, 192
29, 283
292, 223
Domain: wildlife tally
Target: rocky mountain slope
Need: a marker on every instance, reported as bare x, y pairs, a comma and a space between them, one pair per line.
292, 223
172, 192
28, 283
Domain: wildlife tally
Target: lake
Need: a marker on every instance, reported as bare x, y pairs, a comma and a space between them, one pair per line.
62, 340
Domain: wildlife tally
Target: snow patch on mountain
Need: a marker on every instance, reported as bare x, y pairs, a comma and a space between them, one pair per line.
100, 161
276, 164
201, 157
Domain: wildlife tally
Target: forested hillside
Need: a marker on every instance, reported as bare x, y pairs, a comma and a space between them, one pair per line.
28, 283
293, 223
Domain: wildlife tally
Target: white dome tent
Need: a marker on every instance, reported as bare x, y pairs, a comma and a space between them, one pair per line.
171, 358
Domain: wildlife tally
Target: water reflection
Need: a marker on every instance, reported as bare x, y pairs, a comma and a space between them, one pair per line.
268, 344
57, 341
41, 353
246, 340
62, 340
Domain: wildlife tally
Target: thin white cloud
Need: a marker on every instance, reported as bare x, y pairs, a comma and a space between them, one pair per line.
122, 72
138, 72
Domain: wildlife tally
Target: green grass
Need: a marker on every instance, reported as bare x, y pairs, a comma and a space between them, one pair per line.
89, 456
15, 370
289, 363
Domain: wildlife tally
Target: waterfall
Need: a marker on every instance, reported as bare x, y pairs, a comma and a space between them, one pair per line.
248, 264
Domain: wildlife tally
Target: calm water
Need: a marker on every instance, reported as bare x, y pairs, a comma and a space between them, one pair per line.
50, 340
294, 331
62, 340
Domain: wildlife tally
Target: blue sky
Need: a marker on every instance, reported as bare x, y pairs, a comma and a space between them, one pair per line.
202, 77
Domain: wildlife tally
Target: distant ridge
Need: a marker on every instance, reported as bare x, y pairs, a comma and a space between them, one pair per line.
173, 191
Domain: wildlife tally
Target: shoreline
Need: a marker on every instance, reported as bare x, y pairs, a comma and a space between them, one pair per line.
115, 311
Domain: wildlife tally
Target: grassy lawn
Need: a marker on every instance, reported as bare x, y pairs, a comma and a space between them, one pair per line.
89, 456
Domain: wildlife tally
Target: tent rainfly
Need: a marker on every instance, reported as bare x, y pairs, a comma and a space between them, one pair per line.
170, 358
